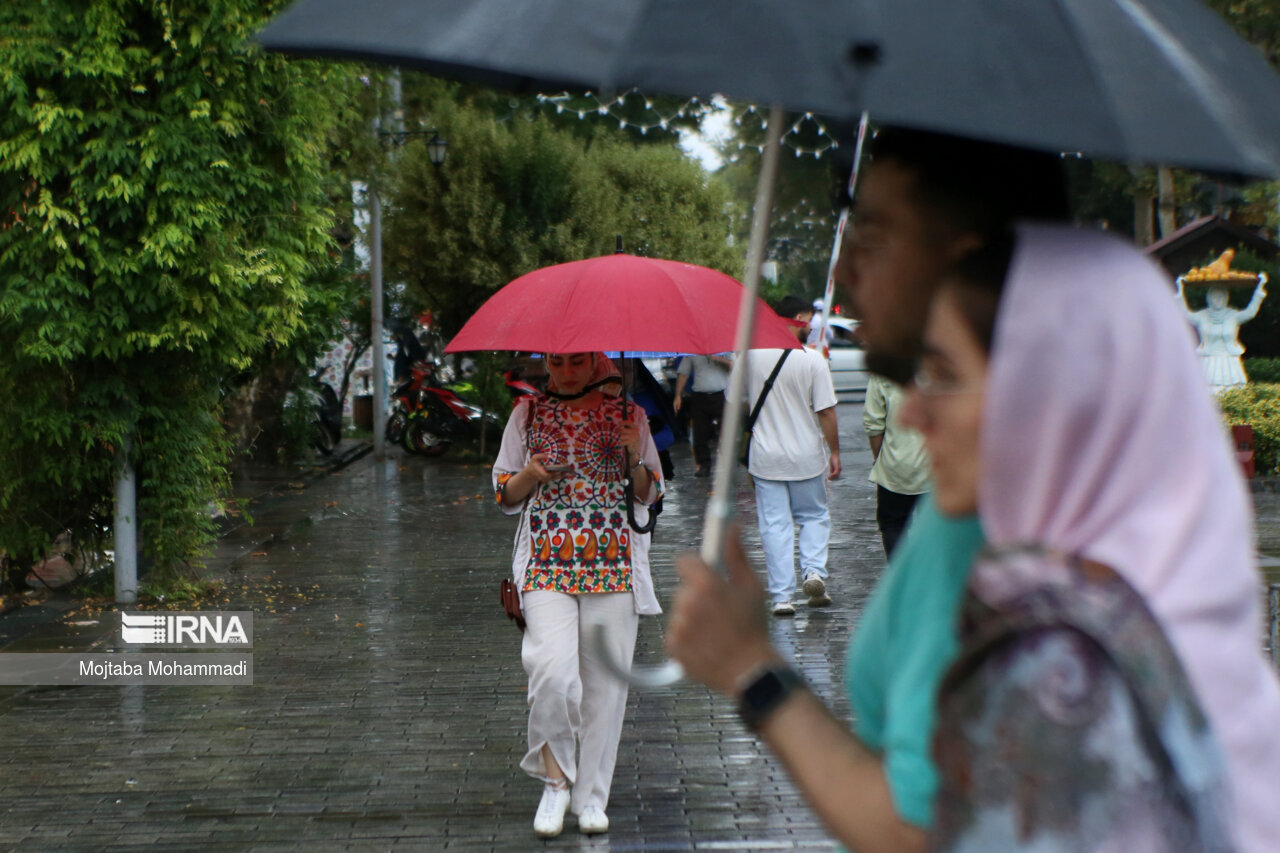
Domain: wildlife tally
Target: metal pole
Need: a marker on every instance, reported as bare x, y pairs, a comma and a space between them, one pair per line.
375, 275
375, 324
125, 529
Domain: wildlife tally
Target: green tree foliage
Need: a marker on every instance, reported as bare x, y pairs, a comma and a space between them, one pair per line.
1263, 370
1257, 21
165, 182
807, 196
519, 194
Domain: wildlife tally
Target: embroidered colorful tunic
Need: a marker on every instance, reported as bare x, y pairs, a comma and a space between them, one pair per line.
574, 536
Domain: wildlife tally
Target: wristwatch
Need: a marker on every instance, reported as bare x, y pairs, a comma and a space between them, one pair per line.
766, 689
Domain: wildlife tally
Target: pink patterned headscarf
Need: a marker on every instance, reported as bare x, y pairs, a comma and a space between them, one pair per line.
602, 368
1100, 437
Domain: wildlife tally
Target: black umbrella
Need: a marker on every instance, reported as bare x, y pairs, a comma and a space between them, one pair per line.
1157, 81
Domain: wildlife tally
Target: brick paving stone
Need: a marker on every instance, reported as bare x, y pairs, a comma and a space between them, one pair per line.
388, 709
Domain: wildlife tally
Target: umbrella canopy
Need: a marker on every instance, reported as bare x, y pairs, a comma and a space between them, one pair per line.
1159, 81
618, 302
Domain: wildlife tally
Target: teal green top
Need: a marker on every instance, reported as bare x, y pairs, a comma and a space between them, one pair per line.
903, 644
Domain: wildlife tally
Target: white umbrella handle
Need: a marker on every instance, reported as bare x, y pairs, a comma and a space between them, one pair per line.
720, 505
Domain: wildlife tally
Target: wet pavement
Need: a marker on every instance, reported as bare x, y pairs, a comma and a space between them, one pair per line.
388, 705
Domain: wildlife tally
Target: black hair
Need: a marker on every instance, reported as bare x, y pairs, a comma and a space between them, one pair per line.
976, 186
978, 280
791, 305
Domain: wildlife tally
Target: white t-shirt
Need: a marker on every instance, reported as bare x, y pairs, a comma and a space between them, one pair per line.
786, 442
708, 376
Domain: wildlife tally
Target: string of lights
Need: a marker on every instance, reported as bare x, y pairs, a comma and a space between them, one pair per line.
621, 108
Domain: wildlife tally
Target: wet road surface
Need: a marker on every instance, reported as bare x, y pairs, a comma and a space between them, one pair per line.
388, 706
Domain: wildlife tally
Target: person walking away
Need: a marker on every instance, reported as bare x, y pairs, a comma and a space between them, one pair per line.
577, 562
901, 467
710, 375
789, 465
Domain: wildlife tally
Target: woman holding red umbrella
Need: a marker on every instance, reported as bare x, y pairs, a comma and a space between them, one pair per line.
562, 468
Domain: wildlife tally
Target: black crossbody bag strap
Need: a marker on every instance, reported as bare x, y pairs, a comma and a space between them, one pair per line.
764, 392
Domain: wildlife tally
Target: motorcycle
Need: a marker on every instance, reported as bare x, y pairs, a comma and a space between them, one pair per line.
428, 416
326, 427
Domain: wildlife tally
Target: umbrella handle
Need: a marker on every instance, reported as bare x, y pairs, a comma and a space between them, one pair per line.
719, 509
628, 482
643, 677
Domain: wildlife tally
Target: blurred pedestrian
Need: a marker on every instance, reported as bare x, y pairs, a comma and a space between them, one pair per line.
710, 378
648, 394
1110, 691
577, 562
788, 462
901, 467
924, 201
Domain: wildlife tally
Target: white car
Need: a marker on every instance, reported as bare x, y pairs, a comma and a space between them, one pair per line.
848, 361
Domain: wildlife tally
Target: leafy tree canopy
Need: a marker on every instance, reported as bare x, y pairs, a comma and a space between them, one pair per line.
165, 182
518, 192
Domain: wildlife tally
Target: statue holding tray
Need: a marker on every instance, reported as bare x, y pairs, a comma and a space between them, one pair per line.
1219, 324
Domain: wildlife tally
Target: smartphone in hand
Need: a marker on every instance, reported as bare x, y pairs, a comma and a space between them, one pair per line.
566, 468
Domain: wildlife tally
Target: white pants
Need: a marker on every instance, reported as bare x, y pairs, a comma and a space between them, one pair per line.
780, 506
575, 704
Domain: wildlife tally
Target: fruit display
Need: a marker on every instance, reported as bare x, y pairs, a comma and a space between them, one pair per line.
1220, 274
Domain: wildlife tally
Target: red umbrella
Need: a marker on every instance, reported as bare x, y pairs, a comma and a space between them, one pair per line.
618, 302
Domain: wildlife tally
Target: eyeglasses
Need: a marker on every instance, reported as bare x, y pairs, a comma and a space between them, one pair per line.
928, 385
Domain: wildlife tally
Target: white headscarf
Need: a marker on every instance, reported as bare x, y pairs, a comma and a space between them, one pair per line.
1100, 437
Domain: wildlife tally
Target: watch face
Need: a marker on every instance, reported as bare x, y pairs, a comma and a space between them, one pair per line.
765, 693
765, 688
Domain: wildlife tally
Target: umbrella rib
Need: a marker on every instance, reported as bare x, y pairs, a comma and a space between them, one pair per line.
1192, 71
1087, 62
1219, 103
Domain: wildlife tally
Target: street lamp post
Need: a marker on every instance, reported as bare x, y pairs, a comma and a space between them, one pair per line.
437, 148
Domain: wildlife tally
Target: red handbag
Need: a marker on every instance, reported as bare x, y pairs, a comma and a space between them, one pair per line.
511, 603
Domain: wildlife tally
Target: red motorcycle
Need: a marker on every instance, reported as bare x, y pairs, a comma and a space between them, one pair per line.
427, 417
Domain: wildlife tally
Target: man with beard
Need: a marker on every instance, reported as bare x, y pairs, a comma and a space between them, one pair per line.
925, 201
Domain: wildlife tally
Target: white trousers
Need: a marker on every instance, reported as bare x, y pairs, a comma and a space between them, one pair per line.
575, 704
781, 505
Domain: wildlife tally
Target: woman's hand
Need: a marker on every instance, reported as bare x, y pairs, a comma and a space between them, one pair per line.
630, 436
537, 470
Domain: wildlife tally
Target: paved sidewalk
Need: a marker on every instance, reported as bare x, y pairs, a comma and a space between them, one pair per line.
388, 707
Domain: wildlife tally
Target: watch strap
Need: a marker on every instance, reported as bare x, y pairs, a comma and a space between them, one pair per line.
766, 689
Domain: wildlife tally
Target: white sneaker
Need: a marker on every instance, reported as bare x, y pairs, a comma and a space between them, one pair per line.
784, 608
816, 589
549, 821
593, 821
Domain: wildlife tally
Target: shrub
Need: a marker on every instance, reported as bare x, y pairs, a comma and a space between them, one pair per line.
1262, 369
1257, 404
